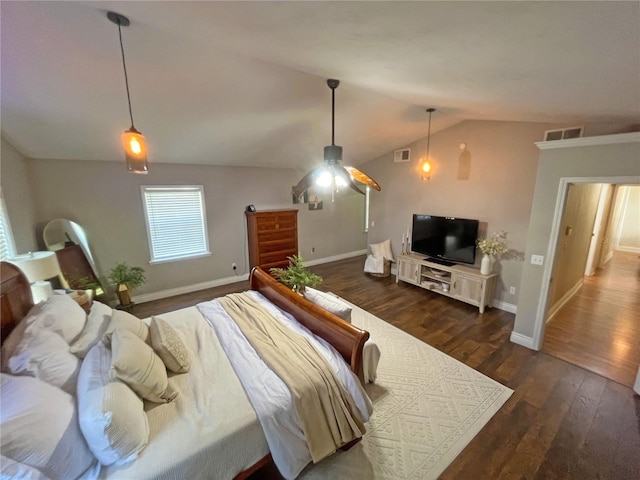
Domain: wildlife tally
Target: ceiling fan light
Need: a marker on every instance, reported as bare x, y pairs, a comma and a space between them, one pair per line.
324, 179
340, 182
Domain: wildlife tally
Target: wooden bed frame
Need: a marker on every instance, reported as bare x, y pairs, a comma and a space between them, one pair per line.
348, 340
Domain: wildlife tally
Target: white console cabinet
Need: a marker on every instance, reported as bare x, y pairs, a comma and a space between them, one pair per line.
460, 282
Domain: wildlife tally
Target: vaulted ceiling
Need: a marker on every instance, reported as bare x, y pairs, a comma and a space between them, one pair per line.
244, 83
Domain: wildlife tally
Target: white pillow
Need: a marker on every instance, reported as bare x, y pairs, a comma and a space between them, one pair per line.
135, 363
10, 343
124, 320
111, 415
328, 302
61, 314
97, 323
39, 426
166, 342
382, 250
45, 355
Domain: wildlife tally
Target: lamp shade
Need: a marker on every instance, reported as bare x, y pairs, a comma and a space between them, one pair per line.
37, 265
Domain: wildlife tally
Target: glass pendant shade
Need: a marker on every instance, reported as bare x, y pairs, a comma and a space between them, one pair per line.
135, 151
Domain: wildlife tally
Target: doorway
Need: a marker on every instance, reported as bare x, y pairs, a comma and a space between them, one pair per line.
594, 320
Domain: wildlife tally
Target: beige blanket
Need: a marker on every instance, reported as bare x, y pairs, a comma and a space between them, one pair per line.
327, 413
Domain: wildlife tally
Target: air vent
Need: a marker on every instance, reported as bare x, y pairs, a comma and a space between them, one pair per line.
402, 155
563, 134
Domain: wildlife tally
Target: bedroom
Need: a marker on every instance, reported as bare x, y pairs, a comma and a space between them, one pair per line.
106, 200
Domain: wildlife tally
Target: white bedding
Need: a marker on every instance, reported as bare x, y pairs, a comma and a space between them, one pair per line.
269, 394
210, 430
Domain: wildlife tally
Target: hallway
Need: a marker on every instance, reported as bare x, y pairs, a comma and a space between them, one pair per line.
599, 327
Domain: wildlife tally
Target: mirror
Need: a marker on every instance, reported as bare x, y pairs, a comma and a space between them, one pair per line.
69, 241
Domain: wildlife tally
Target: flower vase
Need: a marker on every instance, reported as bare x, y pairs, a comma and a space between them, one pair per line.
486, 264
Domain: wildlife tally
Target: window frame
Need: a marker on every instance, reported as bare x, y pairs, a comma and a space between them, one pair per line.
5, 224
181, 256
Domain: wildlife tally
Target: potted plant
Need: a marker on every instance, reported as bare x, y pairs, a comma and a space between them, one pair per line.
491, 248
296, 276
125, 279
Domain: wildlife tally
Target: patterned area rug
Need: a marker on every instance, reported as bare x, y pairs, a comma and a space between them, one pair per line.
427, 408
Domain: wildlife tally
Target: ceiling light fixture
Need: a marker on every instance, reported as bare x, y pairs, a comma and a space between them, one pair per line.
425, 169
133, 142
333, 173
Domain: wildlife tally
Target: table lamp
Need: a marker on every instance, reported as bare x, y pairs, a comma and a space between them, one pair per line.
38, 267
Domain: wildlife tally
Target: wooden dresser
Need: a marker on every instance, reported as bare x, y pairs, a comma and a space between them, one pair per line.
273, 236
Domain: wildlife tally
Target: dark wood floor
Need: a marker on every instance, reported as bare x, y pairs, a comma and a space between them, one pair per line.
599, 327
562, 421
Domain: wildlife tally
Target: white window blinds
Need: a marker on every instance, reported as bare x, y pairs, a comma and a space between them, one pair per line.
7, 248
176, 223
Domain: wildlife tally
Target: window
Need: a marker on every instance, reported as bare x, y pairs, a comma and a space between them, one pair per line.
176, 224
7, 247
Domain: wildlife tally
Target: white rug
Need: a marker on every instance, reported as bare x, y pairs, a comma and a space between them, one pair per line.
427, 408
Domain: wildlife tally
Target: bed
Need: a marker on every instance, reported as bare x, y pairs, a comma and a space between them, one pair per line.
210, 429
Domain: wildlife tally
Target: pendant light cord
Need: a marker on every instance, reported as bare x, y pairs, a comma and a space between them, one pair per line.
429, 136
333, 113
126, 78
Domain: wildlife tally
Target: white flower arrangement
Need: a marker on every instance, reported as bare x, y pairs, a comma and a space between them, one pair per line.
494, 245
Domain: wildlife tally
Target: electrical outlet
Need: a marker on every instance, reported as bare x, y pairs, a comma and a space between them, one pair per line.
537, 259
512, 290
234, 266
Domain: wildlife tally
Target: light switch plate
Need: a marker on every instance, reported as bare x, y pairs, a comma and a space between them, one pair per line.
537, 259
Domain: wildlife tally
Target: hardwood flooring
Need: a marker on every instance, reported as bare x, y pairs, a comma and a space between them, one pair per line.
599, 327
562, 421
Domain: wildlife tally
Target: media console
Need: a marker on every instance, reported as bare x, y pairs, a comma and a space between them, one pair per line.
459, 282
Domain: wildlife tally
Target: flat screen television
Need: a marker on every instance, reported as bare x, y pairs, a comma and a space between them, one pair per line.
448, 239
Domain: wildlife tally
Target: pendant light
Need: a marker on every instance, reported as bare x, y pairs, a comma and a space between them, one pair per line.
133, 142
425, 168
333, 173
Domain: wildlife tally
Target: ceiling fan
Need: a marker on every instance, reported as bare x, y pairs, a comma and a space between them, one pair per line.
332, 172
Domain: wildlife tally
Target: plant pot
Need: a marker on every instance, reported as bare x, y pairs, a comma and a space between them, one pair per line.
123, 294
486, 264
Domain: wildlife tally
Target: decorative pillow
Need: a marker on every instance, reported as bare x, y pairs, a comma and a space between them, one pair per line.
96, 326
111, 415
329, 302
166, 342
382, 250
45, 355
135, 363
126, 321
40, 429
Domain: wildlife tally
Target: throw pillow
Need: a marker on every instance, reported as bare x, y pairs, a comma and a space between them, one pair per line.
329, 302
167, 344
382, 250
111, 415
126, 321
135, 363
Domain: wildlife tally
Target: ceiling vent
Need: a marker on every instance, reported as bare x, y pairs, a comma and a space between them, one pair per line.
563, 134
402, 155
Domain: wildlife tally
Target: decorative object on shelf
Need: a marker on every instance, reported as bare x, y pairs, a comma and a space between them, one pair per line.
304, 198
125, 278
425, 168
492, 247
38, 267
134, 143
333, 173
297, 276
316, 204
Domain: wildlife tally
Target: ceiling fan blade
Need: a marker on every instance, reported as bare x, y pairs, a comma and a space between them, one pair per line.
344, 174
305, 182
362, 178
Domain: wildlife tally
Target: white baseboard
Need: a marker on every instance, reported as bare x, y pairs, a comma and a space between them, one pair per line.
172, 292
628, 249
564, 299
522, 340
504, 306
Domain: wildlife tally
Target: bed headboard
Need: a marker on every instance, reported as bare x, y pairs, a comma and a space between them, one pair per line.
347, 339
15, 297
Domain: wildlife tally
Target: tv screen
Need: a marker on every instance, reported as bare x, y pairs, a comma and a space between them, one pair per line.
447, 238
